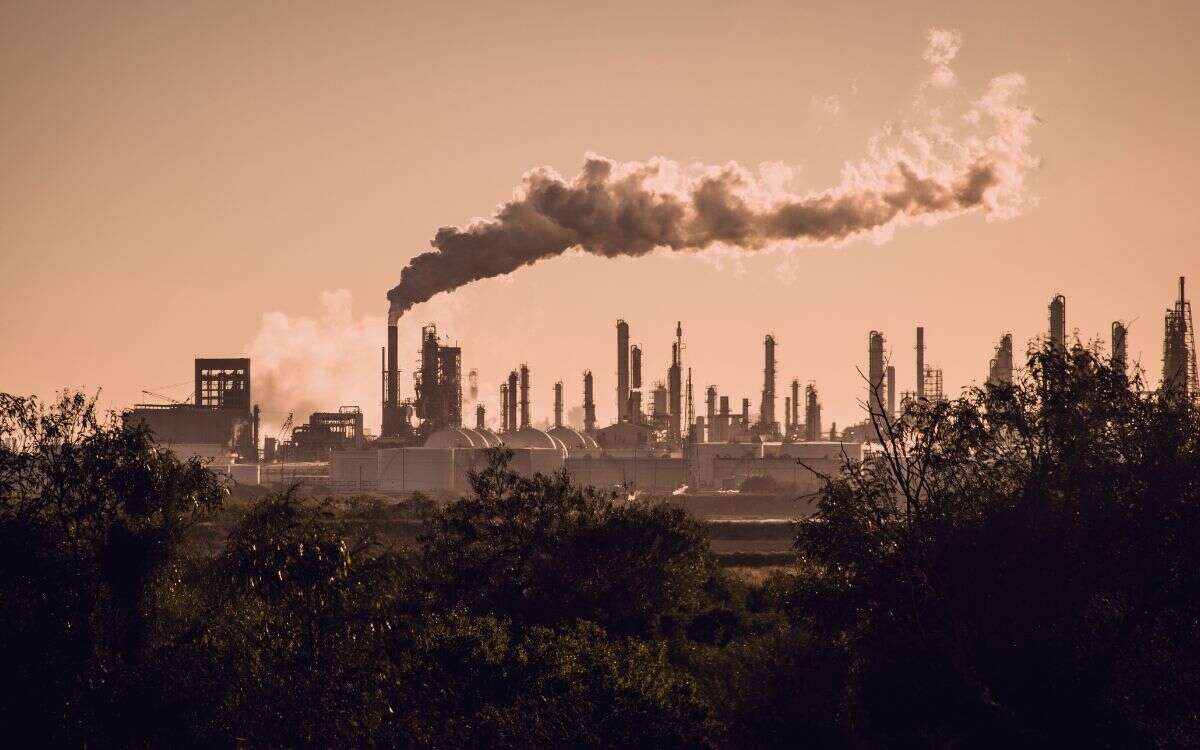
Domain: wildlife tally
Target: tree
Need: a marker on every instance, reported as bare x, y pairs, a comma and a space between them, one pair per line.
1019, 566
92, 517
540, 551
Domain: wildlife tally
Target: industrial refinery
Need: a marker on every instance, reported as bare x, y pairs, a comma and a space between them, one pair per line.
656, 443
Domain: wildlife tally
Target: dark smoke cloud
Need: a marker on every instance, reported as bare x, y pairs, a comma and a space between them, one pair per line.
616, 216
613, 209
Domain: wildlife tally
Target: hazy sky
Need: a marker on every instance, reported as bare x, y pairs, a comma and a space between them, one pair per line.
170, 174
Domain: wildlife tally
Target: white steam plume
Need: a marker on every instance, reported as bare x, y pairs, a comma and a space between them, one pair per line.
304, 364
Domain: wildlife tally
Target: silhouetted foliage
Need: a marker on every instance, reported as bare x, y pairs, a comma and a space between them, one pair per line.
759, 484
543, 552
1017, 567
91, 520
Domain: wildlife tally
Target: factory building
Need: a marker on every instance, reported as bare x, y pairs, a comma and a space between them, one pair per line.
326, 432
437, 385
220, 424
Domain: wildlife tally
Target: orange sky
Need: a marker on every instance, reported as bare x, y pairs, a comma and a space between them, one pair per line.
169, 174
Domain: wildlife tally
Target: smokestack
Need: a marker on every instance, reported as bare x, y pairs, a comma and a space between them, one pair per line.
1000, 371
450, 386
812, 413
622, 371
636, 352
920, 362
875, 377
504, 426
891, 390
392, 383
589, 405
558, 404
1058, 322
795, 403
512, 401
480, 421
691, 408
766, 412
675, 383
524, 396
1119, 348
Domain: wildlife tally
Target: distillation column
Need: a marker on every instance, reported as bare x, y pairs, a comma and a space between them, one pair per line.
589, 405
766, 413
622, 371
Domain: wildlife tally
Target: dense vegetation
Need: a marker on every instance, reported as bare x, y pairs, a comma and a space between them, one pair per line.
1017, 567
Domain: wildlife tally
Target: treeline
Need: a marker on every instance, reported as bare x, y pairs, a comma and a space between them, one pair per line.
1018, 567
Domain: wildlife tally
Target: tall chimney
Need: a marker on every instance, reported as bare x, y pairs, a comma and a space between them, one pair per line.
504, 407
1179, 349
795, 403
589, 405
1058, 322
920, 362
691, 407
891, 390
622, 370
1120, 335
875, 386
812, 413
675, 383
558, 404
1000, 369
524, 396
766, 413
390, 428
512, 401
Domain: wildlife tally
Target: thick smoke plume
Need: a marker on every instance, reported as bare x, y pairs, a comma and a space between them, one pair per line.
914, 173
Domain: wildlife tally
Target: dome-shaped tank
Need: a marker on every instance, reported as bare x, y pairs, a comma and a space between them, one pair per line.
572, 439
489, 437
531, 437
451, 437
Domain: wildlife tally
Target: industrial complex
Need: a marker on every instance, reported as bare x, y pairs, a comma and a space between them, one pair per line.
657, 443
